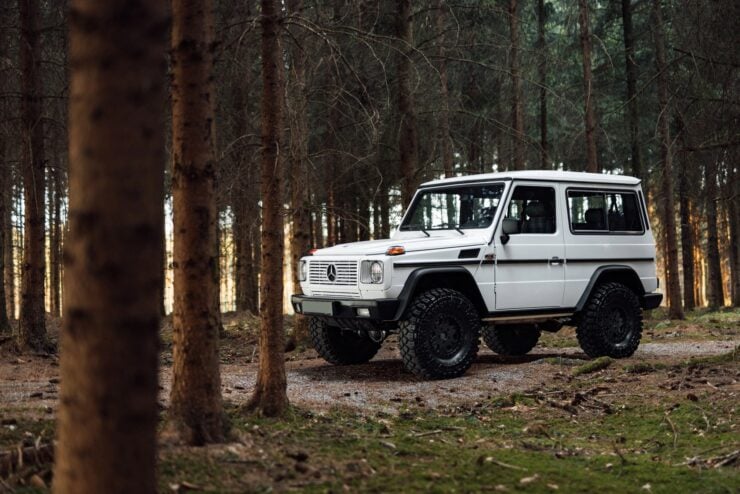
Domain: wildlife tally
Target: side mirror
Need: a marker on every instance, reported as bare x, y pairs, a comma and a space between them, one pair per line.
510, 226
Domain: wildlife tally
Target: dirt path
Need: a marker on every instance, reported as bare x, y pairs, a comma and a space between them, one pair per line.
31, 383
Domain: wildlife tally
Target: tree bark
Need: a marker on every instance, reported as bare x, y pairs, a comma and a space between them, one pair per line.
443, 130
631, 73
385, 214
270, 397
589, 118
9, 245
4, 176
542, 74
55, 240
108, 409
246, 230
33, 312
668, 211
517, 110
299, 200
715, 290
733, 188
408, 145
195, 415
687, 238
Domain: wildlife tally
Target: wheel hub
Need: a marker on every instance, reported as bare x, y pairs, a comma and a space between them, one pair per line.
446, 337
618, 329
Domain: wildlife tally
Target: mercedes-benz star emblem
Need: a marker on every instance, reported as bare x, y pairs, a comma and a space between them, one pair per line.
331, 273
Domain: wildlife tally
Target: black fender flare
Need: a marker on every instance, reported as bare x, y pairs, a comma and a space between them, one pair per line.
419, 274
609, 269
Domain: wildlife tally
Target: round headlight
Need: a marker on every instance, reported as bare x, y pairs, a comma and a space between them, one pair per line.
376, 272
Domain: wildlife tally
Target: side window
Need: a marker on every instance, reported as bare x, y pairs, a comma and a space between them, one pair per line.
623, 212
602, 212
587, 211
533, 208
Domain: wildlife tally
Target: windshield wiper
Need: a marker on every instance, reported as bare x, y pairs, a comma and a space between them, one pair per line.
458, 230
419, 228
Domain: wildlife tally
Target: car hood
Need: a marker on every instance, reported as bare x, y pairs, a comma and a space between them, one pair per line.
376, 247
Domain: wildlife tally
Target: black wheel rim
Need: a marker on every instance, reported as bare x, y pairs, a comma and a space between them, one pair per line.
447, 337
618, 327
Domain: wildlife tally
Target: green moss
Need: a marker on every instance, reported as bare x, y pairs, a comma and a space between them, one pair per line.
593, 366
643, 367
723, 358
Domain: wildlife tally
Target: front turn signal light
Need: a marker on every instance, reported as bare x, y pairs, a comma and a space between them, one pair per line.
396, 250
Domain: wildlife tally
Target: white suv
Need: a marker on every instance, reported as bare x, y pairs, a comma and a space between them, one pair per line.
502, 255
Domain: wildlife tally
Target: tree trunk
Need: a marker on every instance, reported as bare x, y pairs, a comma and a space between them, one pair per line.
592, 165
385, 214
445, 141
33, 312
542, 74
4, 176
733, 192
330, 145
408, 139
687, 239
363, 218
631, 72
318, 228
270, 397
669, 219
9, 245
517, 111
715, 291
195, 413
108, 411
299, 200
55, 239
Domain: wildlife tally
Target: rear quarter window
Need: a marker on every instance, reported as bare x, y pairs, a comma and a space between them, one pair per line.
604, 211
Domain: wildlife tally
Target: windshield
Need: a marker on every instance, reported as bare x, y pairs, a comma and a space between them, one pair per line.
450, 208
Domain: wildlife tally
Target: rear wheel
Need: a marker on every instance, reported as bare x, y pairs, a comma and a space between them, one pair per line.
340, 347
611, 324
511, 339
439, 337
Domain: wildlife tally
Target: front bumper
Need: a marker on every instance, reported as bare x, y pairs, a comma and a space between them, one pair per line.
373, 310
651, 300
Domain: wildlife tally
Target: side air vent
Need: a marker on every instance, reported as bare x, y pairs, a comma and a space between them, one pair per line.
469, 254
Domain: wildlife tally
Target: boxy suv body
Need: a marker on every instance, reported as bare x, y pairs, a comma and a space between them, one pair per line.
504, 256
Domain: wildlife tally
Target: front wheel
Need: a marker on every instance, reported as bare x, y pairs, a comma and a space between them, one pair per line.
611, 324
439, 337
340, 347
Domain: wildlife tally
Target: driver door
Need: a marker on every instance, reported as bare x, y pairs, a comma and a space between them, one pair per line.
529, 270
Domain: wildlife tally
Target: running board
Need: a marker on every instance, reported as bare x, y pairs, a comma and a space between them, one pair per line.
527, 318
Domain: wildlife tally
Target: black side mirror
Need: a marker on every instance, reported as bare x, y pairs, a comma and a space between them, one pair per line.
509, 226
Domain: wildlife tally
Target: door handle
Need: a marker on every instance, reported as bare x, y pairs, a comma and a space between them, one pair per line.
556, 261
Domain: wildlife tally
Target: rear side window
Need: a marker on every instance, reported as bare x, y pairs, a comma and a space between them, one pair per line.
595, 211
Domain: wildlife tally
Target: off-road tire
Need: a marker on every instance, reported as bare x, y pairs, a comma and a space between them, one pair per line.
340, 347
511, 339
611, 323
438, 337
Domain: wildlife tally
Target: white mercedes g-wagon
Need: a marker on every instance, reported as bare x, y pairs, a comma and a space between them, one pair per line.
501, 255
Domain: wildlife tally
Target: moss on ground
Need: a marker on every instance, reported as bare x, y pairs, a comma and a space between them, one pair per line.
592, 366
476, 450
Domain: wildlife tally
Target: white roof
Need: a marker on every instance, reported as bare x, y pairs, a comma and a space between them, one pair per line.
545, 175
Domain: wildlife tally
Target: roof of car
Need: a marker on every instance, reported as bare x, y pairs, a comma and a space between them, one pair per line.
541, 175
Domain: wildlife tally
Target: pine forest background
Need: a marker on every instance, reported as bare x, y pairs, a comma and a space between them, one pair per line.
379, 96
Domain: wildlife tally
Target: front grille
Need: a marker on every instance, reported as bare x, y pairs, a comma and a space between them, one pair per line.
343, 272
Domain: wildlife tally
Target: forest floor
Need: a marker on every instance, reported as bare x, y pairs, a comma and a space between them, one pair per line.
664, 420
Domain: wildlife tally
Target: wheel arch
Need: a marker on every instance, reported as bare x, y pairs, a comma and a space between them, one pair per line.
613, 273
453, 277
